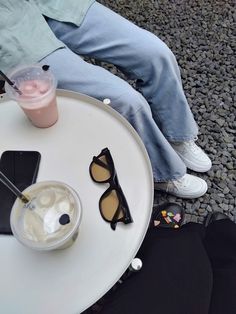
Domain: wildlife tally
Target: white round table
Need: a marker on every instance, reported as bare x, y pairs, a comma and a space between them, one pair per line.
69, 281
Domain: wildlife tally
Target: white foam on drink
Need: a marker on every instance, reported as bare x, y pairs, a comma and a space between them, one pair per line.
41, 224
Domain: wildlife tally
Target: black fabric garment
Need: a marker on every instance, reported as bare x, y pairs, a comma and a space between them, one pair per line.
191, 270
176, 274
220, 243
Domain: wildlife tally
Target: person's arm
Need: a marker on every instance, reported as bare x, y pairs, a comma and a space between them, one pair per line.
25, 36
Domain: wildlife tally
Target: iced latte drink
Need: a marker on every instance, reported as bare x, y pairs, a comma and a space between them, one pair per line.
50, 220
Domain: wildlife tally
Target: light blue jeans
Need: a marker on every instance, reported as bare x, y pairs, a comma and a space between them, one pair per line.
160, 112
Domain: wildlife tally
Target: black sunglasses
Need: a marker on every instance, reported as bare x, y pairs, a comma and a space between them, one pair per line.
112, 204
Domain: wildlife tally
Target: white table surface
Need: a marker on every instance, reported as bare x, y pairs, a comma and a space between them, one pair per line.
69, 281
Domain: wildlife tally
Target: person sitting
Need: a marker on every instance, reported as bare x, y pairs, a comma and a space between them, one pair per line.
60, 33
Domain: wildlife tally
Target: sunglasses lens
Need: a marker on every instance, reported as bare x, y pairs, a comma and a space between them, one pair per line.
98, 172
109, 205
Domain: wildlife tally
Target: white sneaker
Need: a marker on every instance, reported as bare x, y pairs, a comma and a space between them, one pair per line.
188, 186
193, 156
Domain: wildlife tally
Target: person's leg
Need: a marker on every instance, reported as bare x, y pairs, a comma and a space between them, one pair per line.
220, 243
176, 276
73, 73
107, 36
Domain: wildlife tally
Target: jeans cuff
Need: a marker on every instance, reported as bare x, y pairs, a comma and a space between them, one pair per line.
177, 139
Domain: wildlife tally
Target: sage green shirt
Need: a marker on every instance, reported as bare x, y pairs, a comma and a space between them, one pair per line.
25, 36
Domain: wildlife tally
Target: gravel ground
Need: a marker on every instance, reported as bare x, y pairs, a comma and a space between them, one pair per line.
200, 33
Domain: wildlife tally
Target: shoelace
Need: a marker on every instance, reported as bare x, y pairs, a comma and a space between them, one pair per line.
193, 146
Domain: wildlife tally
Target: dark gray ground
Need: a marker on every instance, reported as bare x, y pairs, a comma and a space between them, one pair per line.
200, 33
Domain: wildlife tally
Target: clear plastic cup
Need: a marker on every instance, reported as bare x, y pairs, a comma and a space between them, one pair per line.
38, 93
50, 220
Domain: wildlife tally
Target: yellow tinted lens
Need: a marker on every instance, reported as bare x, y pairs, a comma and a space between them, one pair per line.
109, 205
100, 173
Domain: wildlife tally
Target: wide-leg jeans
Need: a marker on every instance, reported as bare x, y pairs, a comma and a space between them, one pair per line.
158, 111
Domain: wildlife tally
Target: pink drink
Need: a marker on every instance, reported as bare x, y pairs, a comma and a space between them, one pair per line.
37, 96
38, 102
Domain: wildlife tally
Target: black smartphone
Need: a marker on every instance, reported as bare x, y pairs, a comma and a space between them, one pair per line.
20, 167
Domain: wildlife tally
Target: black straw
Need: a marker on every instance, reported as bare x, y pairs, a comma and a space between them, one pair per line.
10, 82
13, 188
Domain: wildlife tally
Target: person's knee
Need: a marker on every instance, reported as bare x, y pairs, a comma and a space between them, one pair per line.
155, 52
129, 103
